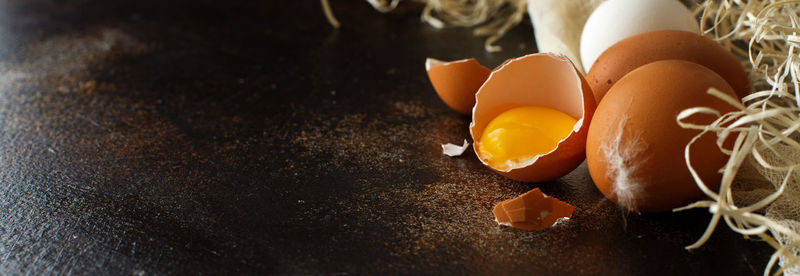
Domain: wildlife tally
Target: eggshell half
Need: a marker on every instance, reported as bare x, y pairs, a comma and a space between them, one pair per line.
638, 50
544, 80
457, 81
635, 147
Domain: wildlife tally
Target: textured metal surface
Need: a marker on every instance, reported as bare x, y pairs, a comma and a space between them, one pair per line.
172, 137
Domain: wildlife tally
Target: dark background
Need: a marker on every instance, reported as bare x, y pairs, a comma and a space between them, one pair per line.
250, 137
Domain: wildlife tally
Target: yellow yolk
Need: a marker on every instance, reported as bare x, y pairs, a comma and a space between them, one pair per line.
521, 133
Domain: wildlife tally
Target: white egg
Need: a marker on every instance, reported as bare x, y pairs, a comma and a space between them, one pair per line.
616, 20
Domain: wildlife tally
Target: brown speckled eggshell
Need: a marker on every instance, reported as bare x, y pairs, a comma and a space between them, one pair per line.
638, 50
636, 121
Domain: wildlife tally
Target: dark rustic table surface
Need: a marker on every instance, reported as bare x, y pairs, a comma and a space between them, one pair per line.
249, 137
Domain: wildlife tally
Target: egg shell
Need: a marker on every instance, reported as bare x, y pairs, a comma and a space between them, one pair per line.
456, 82
616, 20
641, 49
532, 210
544, 80
635, 148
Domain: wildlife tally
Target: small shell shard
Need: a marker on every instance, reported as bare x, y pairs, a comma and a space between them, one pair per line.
454, 150
532, 210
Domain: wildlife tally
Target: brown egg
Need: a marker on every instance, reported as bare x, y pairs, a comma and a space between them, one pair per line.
538, 81
635, 148
456, 82
638, 50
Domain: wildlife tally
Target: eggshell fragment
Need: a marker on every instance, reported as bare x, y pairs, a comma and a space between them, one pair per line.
457, 81
635, 147
454, 150
532, 210
544, 80
638, 50
616, 20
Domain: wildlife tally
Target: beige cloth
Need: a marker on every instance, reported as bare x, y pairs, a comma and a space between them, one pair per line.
557, 25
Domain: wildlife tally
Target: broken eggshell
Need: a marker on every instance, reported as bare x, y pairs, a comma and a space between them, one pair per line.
454, 150
531, 211
544, 80
457, 81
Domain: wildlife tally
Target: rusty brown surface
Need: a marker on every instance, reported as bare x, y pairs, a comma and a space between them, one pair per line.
174, 137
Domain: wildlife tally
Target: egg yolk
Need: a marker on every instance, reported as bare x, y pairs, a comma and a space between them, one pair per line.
521, 133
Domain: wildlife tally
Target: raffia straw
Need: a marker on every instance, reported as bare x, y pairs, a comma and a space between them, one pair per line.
326, 8
490, 18
765, 33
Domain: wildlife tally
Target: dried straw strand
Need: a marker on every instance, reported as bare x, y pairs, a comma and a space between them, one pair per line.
766, 125
490, 18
